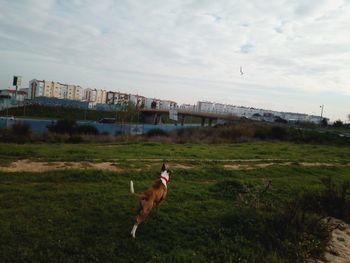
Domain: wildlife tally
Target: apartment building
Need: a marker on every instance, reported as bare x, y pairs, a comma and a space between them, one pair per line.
51, 89
137, 100
167, 104
90, 95
101, 96
205, 106
118, 98
74, 92
43, 88
36, 89
188, 107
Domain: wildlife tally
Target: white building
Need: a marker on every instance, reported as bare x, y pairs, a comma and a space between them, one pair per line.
188, 107
36, 88
205, 106
90, 95
137, 100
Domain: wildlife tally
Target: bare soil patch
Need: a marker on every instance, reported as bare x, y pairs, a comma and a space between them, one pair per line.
338, 249
37, 166
264, 165
30, 166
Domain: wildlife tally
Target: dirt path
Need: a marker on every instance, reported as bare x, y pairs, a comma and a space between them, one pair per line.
30, 166
33, 166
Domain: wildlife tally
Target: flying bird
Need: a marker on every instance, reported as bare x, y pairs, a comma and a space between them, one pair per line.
241, 70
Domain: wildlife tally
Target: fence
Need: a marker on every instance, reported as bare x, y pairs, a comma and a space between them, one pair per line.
40, 126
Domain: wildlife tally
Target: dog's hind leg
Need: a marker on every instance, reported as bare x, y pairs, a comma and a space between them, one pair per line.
146, 209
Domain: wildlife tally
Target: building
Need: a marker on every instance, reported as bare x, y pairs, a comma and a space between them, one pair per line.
74, 92
51, 89
101, 96
11, 94
9, 99
188, 107
90, 95
205, 106
167, 104
36, 89
137, 100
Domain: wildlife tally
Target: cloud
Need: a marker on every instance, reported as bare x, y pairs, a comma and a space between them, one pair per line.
192, 47
246, 48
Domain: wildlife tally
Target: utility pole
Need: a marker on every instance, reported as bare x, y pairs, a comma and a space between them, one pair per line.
322, 106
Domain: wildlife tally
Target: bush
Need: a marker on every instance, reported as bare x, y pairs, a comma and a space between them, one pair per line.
63, 127
20, 129
75, 139
332, 201
86, 129
17, 133
338, 124
156, 132
278, 132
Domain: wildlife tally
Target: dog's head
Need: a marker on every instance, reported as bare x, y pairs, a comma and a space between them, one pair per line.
165, 172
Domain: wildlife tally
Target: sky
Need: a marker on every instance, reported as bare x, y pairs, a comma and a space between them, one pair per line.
295, 55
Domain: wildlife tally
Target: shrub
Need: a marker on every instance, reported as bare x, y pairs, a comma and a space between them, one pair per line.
338, 124
156, 132
278, 132
261, 133
17, 133
86, 129
20, 129
63, 126
332, 201
75, 139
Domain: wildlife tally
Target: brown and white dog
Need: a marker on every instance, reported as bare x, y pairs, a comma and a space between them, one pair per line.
153, 195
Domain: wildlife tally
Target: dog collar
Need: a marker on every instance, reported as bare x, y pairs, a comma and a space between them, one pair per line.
164, 180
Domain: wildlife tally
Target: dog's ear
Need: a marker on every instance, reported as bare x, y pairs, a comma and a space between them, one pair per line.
163, 168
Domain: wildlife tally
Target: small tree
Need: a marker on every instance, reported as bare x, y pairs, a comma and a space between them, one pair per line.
338, 123
128, 113
324, 122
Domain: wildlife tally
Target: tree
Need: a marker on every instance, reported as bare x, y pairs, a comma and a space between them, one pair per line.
324, 122
338, 123
128, 113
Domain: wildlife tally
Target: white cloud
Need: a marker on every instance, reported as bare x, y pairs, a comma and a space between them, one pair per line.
186, 49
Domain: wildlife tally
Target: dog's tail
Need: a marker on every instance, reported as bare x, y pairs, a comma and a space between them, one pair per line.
132, 187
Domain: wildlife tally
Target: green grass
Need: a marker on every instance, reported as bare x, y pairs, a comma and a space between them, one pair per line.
86, 216
170, 152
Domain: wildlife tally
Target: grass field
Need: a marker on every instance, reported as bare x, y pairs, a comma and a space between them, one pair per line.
178, 152
86, 216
